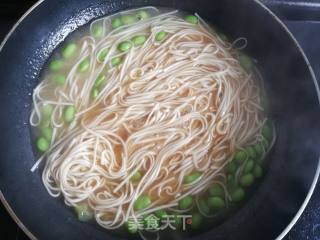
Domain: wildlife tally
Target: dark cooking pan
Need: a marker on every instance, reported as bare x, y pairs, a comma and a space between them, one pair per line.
293, 170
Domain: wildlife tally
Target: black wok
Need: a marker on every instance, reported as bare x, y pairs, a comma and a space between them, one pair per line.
293, 170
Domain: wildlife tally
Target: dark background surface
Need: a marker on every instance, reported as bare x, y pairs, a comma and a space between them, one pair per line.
302, 18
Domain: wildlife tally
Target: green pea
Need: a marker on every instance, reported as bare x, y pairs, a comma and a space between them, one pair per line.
84, 65
258, 149
142, 202
94, 93
231, 167
203, 206
192, 177
186, 202
97, 31
257, 171
237, 195
248, 167
177, 221
56, 65
251, 152
46, 110
246, 62
59, 79
265, 143
83, 212
132, 226
231, 182
128, 19
116, 61
69, 113
46, 132
124, 46
136, 176
267, 131
161, 214
100, 79
216, 203
216, 190
116, 22
247, 180
69, 50
42, 144
142, 15
45, 122
160, 36
102, 54
191, 19
196, 220
139, 40
240, 156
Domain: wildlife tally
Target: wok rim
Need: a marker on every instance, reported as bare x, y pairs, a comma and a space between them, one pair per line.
294, 220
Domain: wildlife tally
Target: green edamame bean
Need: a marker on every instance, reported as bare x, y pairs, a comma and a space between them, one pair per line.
231, 167
257, 171
116, 61
142, 15
128, 19
248, 167
142, 202
191, 177
84, 65
102, 54
69, 113
42, 144
46, 132
69, 50
160, 36
186, 202
251, 153
237, 195
94, 93
139, 40
100, 79
56, 65
116, 22
83, 212
132, 226
46, 110
203, 206
240, 156
59, 79
267, 131
216, 203
191, 19
247, 180
196, 220
124, 46
216, 190
136, 176
97, 31
161, 214
245, 62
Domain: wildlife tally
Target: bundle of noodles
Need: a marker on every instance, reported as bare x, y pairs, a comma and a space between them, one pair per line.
166, 108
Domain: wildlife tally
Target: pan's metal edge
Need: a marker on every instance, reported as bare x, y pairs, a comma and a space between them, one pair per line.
315, 180
316, 177
2, 198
